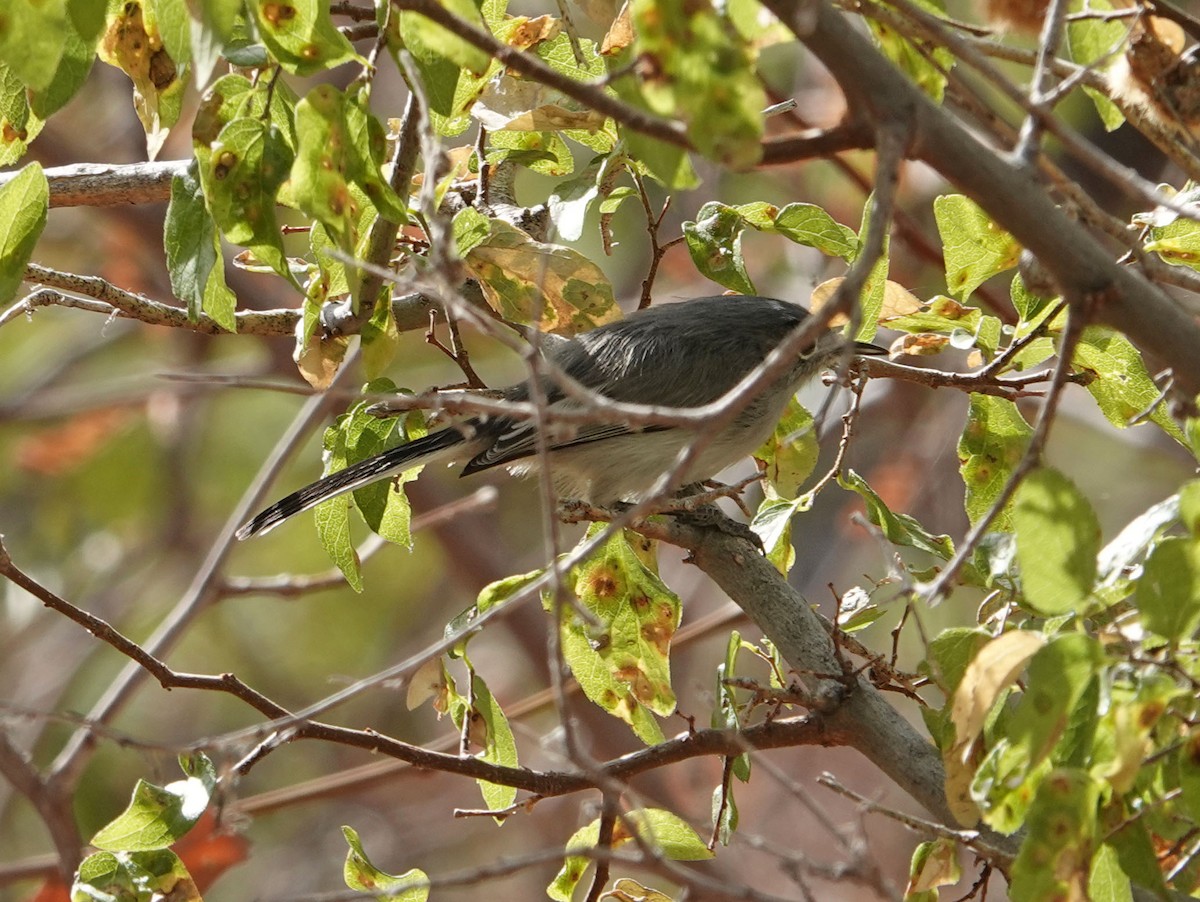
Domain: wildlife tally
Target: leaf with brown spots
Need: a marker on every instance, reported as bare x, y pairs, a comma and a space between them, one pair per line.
623, 664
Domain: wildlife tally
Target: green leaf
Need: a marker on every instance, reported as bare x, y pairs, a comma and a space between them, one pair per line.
497, 593
337, 149
241, 174
450, 89
1005, 783
87, 17
360, 874
773, 524
660, 829
724, 812
233, 97
715, 242
1168, 592
668, 164
790, 454
1056, 680
594, 131
1176, 242
900, 529
1061, 835
31, 39
529, 281
870, 302
949, 654
134, 877
975, 248
78, 55
1137, 853
1058, 537
542, 152
425, 39
1189, 506
704, 73
380, 336
811, 226
1106, 881
1122, 386
992, 443
500, 747
1187, 759
1092, 40
24, 203
332, 518
623, 664
161, 874
102, 876
18, 125
926, 65
725, 716
301, 35
158, 816
193, 249
355, 436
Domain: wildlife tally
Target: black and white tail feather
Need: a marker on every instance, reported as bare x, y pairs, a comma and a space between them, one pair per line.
427, 449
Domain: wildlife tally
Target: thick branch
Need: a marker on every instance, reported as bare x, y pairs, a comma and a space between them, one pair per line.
1081, 267
105, 185
855, 713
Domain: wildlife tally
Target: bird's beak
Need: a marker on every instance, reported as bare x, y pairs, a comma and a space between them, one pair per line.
866, 349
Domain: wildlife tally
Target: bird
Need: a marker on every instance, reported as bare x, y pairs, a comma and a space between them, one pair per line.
680, 355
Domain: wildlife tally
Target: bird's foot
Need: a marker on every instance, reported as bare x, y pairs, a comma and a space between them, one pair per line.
710, 516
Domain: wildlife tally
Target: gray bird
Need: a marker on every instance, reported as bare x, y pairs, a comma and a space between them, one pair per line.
681, 355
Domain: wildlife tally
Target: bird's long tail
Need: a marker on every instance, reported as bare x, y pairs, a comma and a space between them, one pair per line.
404, 457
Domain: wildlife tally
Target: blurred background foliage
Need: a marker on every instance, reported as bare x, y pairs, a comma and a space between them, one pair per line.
115, 477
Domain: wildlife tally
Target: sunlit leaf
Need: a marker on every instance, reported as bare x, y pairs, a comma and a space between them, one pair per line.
360, 874
660, 829
157, 816
18, 124
301, 35
623, 664
704, 74
715, 242
975, 247
530, 281
1058, 538
900, 529
131, 42
1055, 856
1057, 677
24, 203
1122, 386
992, 443
1168, 592
31, 39
241, 173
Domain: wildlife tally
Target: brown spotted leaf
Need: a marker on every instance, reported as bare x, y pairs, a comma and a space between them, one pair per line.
622, 664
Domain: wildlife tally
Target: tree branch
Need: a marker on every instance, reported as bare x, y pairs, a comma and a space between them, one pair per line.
1012, 196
